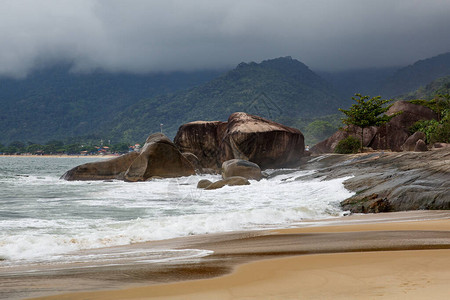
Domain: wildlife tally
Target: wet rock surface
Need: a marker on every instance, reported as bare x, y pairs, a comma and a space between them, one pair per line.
242, 168
388, 181
230, 181
113, 168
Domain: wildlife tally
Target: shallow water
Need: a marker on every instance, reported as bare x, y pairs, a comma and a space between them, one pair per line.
45, 219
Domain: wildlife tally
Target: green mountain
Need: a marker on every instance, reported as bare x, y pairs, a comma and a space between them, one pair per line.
419, 74
440, 86
56, 104
281, 89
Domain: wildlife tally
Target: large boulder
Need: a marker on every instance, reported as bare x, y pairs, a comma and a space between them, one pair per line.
420, 146
159, 157
266, 143
231, 181
328, 145
114, 168
394, 134
244, 136
242, 168
411, 141
202, 138
203, 183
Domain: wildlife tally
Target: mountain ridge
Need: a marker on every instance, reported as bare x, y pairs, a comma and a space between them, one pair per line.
55, 104
288, 85
416, 75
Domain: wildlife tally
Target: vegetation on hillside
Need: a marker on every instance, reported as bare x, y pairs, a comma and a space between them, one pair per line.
435, 130
416, 75
434, 95
439, 86
56, 104
283, 90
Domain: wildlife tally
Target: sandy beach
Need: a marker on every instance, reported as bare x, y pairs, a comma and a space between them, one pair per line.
402, 255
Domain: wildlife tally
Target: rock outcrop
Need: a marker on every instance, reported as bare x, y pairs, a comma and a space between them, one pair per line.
242, 168
389, 181
394, 134
328, 145
202, 147
114, 168
391, 136
264, 142
159, 157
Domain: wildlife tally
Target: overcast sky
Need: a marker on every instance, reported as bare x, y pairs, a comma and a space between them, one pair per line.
167, 35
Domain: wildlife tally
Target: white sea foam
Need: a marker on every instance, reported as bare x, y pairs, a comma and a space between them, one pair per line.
61, 217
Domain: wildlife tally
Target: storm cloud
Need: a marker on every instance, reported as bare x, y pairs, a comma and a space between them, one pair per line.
148, 36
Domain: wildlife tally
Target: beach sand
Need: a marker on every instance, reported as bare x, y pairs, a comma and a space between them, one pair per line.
384, 256
420, 274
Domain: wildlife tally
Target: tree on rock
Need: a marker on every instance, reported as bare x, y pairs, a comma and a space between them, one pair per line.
367, 112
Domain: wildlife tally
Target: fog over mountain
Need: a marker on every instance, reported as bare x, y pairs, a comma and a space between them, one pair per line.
141, 36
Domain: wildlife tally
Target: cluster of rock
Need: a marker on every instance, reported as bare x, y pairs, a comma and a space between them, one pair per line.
234, 172
244, 136
203, 147
158, 158
394, 135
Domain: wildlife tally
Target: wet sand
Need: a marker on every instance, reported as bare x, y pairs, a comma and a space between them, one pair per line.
384, 256
421, 274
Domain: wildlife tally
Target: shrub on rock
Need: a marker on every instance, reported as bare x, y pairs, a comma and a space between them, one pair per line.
348, 145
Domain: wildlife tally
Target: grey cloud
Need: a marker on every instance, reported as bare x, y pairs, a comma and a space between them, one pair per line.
147, 36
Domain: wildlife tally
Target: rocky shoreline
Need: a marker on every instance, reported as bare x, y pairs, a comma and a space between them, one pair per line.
383, 181
388, 181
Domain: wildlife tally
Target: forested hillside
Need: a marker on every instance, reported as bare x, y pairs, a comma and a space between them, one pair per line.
281, 89
56, 104
417, 75
440, 86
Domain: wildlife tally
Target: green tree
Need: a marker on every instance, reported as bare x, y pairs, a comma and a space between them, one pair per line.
35, 148
319, 130
19, 146
367, 112
120, 148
